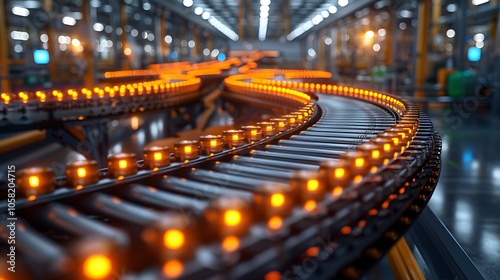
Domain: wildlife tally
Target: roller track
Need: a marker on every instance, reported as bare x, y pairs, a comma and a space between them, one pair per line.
329, 229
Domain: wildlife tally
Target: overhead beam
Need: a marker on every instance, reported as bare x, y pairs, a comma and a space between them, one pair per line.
341, 13
179, 10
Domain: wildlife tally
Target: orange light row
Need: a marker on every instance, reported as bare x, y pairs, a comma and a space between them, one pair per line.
179, 84
37, 181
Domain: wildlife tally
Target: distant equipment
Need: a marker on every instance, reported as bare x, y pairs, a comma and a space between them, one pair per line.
474, 54
41, 56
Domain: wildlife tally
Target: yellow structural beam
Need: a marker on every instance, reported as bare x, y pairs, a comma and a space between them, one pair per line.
4, 49
21, 140
422, 43
403, 263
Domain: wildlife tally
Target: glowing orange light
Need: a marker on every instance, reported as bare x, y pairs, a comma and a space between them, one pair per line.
253, 132
34, 181
235, 137
213, 143
339, 172
230, 243
188, 149
122, 164
312, 251
97, 267
81, 172
375, 154
277, 199
272, 275
395, 140
345, 230
232, 218
358, 179
173, 239
312, 185
387, 147
157, 156
359, 162
275, 223
310, 205
173, 268
337, 191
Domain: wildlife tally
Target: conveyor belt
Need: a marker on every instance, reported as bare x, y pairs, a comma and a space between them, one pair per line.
209, 218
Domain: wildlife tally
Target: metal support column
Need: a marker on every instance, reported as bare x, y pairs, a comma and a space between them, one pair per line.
460, 30
196, 51
334, 34
321, 51
89, 15
422, 45
287, 17
115, 23
163, 34
241, 30
210, 42
159, 25
250, 22
436, 13
4, 50
123, 37
51, 43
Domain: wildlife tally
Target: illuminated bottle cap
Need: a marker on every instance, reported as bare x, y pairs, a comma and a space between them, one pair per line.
310, 108
233, 138
97, 266
403, 132
358, 161
305, 113
337, 174
176, 237
156, 157
186, 150
374, 153
268, 128
291, 119
35, 181
394, 137
308, 185
407, 128
96, 257
229, 215
211, 144
82, 172
299, 118
252, 133
274, 200
281, 124
122, 164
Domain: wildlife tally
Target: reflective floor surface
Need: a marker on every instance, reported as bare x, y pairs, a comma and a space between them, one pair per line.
467, 198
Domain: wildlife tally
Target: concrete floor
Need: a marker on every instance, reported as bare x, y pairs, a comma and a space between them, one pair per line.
467, 198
